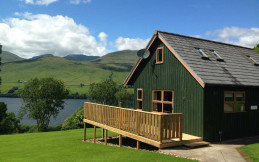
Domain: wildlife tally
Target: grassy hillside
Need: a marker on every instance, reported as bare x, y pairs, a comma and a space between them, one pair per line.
71, 72
126, 57
67, 146
9, 57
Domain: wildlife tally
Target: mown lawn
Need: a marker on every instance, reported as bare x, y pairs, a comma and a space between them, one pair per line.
67, 146
252, 151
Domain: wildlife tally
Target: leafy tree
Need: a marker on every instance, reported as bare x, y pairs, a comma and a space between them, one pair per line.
109, 92
125, 97
43, 98
8, 121
3, 110
81, 84
256, 48
103, 92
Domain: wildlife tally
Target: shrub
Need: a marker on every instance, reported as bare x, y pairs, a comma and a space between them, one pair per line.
75, 120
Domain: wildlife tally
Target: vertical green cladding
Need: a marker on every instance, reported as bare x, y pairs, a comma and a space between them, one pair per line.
171, 75
232, 125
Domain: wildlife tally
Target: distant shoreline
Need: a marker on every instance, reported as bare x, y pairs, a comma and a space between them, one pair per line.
70, 96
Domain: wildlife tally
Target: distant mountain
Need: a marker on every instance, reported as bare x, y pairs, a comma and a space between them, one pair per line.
73, 73
80, 57
9, 57
40, 56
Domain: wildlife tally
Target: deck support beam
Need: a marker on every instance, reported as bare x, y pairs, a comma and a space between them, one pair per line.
120, 140
105, 141
138, 144
84, 131
94, 134
103, 133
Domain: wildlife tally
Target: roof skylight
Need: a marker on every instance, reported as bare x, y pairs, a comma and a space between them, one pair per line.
203, 54
218, 57
253, 61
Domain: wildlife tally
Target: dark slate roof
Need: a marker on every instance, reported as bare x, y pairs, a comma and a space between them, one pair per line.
236, 69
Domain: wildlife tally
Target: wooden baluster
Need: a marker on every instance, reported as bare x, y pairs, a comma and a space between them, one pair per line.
177, 126
174, 119
165, 126
160, 134
170, 126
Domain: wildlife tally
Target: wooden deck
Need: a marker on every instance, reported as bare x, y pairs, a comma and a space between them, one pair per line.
159, 130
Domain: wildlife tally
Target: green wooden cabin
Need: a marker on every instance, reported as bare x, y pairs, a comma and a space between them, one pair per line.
215, 85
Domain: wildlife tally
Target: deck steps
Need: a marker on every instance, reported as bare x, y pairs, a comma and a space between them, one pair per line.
197, 144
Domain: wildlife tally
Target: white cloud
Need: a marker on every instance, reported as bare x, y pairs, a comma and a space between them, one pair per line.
103, 37
30, 35
39, 2
79, 1
132, 44
247, 37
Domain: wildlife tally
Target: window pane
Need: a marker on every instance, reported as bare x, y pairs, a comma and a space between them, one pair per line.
228, 107
168, 108
239, 107
160, 55
157, 107
157, 95
240, 97
139, 104
229, 97
139, 94
168, 96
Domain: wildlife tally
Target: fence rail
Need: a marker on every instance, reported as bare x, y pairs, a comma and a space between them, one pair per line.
154, 126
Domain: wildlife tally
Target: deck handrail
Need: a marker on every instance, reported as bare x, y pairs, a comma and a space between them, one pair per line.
155, 126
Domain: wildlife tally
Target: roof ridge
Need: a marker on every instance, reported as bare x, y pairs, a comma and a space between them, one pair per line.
204, 39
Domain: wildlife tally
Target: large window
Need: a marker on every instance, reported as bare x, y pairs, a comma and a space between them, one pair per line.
163, 101
234, 101
139, 98
159, 55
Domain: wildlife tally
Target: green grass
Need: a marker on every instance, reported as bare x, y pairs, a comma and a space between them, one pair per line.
252, 151
67, 146
71, 72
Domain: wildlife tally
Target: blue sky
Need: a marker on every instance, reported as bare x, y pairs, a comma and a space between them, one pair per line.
95, 27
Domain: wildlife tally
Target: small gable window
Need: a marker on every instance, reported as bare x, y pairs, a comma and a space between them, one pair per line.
139, 98
234, 101
159, 55
203, 54
216, 55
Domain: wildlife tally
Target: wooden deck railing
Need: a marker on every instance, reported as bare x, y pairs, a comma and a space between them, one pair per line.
154, 126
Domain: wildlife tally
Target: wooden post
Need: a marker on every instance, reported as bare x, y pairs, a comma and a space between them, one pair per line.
94, 134
103, 133
120, 104
138, 145
105, 137
84, 131
120, 140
